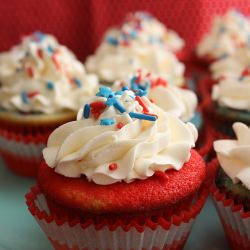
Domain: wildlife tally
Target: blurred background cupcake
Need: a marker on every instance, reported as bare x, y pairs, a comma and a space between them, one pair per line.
227, 99
42, 85
228, 32
231, 192
117, 172
140, 42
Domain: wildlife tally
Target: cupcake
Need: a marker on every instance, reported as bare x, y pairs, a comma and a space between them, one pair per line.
140, 42
42, 85
229, 102
124, 173
227, 33
231, 192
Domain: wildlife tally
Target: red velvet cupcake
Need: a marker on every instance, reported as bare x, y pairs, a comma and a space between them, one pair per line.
123, 174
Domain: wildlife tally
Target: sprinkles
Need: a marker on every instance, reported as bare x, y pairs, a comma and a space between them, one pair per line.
30, 72
24, 97
86, 111
33, 94
119, 125
113, 166
76, 82
50, 85
143, 116
95, 109
107, 121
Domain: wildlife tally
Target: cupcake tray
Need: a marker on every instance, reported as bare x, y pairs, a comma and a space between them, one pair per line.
19, 230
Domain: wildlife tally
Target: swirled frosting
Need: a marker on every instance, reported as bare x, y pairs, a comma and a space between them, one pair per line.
234, 155
231, 66
227, 34
119, 137
233, 93
141, 42
40, 75
170, 98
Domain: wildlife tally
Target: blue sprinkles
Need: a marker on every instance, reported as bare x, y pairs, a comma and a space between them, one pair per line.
39, 35
107, 121
50, 85
86, 111
112, 40
142, 116
119, 107
105, 92
50, 49
77, 82
25, 98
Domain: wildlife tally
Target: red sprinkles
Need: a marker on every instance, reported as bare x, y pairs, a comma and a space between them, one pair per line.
140, 101
119, 125
113, 166
30, 71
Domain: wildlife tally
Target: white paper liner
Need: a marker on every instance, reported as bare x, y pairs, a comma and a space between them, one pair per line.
76, 237
20, 148
236, 227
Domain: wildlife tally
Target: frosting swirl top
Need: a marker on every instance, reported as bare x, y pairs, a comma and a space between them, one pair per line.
175, 100
39, 75
228, 33
234, 155
233, 93
119, 137
141, 42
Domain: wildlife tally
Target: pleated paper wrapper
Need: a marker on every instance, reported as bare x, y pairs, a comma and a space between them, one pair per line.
158, 232
235, 220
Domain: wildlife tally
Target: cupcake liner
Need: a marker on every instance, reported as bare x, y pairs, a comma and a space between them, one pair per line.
22, 153
235, 220
66, 233
163, 231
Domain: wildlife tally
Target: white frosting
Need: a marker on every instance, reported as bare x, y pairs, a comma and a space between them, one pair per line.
233, 93
147, 29
227, 34
139, 148
234, 155
40, 75
136, 44
231, 66
172, 99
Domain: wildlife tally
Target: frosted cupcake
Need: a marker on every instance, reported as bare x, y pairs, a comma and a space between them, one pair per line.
231, 192
117, 172
42, 85
228, 33
138, 43
230, 103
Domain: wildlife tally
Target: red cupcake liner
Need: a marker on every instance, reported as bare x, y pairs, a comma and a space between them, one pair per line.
21, 153
67, 233
153, 232
235, 220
